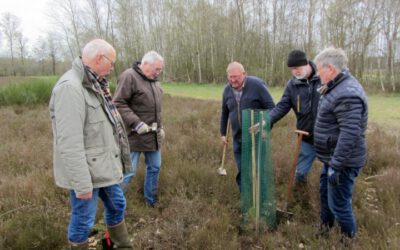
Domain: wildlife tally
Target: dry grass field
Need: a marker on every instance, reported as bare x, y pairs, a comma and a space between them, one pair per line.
198, 209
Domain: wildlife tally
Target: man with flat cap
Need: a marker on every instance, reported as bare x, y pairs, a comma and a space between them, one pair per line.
302, 97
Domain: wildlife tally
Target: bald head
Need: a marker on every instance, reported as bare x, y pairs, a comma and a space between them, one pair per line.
100, 56
236, 75
235, 66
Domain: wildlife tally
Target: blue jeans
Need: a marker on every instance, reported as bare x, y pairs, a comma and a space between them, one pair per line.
336, 201
153, 164
237, 152
83, 212
306, 158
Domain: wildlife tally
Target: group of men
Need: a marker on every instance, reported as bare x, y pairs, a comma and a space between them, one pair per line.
98, 139
329, 104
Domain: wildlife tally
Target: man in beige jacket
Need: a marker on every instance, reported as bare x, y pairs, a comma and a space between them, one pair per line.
91, 151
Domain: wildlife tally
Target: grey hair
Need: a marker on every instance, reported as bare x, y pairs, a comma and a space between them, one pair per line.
151, 57
95, 47
333, 56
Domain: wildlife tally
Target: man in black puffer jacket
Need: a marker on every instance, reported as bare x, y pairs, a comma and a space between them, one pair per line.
302, 96
240, 93
339, 139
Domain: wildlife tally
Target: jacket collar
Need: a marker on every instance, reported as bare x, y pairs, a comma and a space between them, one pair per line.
333, 83
80, 68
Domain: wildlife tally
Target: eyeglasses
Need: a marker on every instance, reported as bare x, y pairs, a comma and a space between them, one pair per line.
108, 59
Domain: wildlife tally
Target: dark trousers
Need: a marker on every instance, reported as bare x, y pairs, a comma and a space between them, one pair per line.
336, 200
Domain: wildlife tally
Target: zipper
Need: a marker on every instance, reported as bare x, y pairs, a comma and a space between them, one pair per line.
311, 94
155, 110
238, 112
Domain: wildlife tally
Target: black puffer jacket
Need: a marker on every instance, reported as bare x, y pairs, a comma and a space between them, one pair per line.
302, 96
339, 133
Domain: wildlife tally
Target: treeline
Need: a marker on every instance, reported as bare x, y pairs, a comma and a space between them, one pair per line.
198, 38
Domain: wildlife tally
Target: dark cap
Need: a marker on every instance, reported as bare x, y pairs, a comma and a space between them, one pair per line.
297, 58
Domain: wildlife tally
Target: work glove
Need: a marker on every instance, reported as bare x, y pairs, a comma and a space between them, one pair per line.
142, 128
333, 176
254, 129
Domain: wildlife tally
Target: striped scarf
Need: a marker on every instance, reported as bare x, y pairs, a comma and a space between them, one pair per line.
101, 85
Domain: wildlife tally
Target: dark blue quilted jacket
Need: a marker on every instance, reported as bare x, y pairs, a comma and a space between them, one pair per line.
339, 133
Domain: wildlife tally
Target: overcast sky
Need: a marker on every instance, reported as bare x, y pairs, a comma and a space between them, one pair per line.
34, 21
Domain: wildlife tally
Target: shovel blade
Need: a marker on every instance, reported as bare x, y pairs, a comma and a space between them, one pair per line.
221, 171
283, 215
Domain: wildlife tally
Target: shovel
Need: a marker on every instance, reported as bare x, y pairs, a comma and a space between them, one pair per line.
221, 170
284, 213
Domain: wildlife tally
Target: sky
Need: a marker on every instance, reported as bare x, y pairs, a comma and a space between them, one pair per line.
32, 14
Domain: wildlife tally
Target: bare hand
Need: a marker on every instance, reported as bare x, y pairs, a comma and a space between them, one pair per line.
224, 140
86, 196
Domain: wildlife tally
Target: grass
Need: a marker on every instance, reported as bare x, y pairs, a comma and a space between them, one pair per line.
204, 91
198, 209
383, 109
26, 91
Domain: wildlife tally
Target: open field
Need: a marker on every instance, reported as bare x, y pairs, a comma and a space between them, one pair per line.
383, 109
198, 209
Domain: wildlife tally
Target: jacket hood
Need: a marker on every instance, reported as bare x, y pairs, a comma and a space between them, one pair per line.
136, 68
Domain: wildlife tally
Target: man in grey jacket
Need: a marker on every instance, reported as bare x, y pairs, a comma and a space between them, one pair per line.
138, 98
91, 151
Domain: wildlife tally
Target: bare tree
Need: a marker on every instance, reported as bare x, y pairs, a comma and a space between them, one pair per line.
21, 48
390, 26
10, 24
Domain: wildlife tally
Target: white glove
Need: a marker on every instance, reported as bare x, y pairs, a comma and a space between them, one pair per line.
142, 128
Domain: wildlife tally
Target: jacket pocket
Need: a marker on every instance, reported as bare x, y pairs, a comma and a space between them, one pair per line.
101, 166
95, 127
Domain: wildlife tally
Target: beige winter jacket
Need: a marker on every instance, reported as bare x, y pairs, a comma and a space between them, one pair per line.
87, 154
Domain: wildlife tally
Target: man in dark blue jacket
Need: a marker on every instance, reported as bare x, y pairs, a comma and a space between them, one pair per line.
302, 96
241, 92
339, 139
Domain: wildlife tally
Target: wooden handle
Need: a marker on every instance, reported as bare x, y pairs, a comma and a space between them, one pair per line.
225, 145
300, 134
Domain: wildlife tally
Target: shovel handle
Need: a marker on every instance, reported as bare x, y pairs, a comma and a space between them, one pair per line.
225, 145
300, 134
